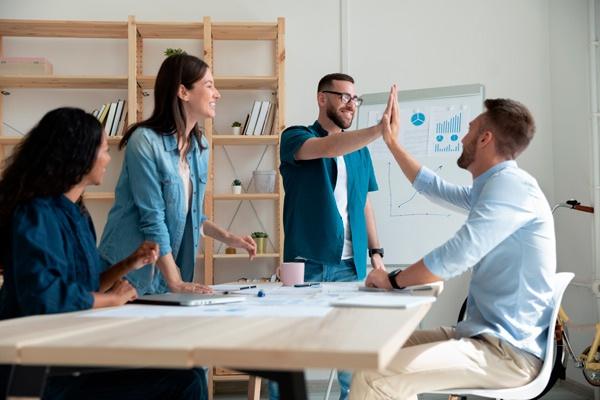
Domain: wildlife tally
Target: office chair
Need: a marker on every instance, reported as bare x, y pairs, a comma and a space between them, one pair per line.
534, 388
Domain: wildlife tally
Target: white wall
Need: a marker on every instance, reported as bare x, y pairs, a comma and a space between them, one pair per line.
534, 51
570, 85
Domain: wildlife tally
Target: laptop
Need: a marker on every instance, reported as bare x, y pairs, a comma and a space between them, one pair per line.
187, 299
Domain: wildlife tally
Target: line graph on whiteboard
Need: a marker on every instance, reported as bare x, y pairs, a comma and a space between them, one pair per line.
405, 205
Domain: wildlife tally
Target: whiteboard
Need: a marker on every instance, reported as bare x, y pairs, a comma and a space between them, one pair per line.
432, 124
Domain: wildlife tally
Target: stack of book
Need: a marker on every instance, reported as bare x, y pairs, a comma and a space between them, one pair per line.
260, 121
113, 117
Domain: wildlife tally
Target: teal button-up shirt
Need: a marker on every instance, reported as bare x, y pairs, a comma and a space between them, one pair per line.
311, 221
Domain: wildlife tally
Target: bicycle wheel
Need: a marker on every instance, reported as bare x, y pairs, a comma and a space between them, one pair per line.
591, 375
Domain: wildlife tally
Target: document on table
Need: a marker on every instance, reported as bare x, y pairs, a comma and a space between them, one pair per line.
383, 301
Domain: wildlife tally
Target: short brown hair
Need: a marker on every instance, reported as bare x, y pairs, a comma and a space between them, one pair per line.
325, 82
512, 124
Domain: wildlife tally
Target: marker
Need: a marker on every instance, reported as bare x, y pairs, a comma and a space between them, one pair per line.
308, 284
240, 288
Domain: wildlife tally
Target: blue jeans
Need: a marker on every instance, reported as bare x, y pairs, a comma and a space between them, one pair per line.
345, 271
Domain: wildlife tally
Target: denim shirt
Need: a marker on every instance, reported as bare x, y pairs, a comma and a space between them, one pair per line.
508, 240
150, 204
52, 264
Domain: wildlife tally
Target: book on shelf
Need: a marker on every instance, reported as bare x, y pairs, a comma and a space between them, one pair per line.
243, 130
110, 117
253, 118
102, 112
123, 124
262, 117
117, 120
269, 123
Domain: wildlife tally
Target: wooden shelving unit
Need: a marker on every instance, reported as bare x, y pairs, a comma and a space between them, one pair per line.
135, 82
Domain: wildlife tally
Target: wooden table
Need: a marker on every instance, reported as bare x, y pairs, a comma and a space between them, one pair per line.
274, 348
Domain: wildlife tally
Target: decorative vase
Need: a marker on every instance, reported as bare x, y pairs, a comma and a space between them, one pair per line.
230, 250
236, 189
261, 245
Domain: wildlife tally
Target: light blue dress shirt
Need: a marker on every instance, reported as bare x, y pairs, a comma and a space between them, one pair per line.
150, 204
508, 240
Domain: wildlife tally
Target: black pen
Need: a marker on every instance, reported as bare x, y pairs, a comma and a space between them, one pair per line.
308, 284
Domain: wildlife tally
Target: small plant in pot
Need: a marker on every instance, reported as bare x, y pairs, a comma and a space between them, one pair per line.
236, 186
173, 52
235, 127
261, 241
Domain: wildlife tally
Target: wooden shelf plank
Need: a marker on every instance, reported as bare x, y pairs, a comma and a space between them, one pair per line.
12, 140
246, 82
225, 82
99, 196
247, 196
245, 255
171, 30
244, 140
230, 378
244, 31
63, 81
70, 29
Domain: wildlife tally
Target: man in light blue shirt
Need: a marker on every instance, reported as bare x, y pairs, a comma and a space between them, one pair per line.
507, 241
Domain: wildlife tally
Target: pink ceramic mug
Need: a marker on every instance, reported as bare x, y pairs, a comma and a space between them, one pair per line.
290, 273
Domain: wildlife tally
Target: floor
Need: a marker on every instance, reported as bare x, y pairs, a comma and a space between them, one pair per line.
561, 391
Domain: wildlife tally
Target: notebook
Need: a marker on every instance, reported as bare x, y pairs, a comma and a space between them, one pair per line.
187, 299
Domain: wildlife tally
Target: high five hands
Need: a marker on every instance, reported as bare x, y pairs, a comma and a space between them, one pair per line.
390, 120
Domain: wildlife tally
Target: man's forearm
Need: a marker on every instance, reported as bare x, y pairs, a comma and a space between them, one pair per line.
372, 239
337, 144
212, 230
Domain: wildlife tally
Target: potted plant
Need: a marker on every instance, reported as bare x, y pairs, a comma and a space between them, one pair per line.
172, 52
261, 241
235, 127
236, 186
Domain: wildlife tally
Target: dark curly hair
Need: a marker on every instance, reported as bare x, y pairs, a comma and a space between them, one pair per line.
168, 116
52, 158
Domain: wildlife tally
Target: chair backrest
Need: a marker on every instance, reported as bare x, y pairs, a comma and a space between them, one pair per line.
536, 386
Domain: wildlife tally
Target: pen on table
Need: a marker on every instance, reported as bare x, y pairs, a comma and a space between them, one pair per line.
308, 284
240, 288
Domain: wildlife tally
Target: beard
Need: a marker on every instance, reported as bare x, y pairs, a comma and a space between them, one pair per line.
333, 115
467, 157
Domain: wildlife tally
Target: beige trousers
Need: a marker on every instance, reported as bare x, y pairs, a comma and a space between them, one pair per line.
436, 360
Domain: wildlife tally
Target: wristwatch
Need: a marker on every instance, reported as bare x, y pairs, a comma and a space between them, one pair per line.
392, 278
376, 251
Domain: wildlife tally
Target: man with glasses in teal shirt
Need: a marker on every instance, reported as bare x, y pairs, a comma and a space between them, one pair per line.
327, 173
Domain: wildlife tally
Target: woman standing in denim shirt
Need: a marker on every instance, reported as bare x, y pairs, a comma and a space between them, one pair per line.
160, 193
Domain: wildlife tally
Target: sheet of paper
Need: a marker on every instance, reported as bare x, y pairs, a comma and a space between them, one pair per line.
383, 300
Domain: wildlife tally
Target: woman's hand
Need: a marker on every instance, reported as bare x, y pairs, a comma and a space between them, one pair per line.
189, 287
146, 254
243, 242
122, 292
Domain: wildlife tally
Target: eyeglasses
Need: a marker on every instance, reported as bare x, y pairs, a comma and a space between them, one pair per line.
346, 97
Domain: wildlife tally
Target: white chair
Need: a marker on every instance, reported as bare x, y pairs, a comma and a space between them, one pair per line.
536, 386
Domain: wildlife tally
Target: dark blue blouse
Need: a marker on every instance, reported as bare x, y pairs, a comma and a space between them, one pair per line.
52, 264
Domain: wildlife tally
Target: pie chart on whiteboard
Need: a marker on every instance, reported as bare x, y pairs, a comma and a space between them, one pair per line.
417, 119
